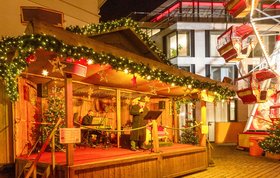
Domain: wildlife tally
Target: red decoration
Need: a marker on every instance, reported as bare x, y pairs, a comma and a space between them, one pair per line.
69, 59
133, 80
82, 61
30, 58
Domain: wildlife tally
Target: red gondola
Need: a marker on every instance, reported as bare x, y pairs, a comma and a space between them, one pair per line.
253, 93
237, 42
274, 113
239, 8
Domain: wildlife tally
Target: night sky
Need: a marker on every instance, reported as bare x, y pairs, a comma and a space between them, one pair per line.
115, 9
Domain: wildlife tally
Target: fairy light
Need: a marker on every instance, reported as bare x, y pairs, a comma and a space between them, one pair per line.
45, 72
126, 71
89, 61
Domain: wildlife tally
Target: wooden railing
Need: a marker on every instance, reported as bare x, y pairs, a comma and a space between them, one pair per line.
32, 168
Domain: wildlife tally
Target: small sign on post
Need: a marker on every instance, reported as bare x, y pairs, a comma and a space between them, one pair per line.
204, 129
69, 135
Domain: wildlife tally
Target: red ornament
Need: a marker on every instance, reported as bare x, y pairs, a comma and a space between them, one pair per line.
30, 58
83, 61
69, 59
133, 80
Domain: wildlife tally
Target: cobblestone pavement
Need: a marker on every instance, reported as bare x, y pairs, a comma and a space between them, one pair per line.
232, 163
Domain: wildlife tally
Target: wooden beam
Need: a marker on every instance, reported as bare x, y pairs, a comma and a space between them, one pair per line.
118, 116
203, 120
69, 119
100, 47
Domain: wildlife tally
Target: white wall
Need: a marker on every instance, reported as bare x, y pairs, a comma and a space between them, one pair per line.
75, 12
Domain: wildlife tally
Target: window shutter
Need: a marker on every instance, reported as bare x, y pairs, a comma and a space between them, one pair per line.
207, 70
164, 47
207, 43
193, 68
192, 44
235, 72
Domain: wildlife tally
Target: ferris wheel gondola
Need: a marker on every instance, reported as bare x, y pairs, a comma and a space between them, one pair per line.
236, 43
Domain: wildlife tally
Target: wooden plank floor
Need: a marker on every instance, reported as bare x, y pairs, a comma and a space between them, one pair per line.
233, 163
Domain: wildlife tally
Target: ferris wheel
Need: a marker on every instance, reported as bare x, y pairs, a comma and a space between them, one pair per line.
260, 85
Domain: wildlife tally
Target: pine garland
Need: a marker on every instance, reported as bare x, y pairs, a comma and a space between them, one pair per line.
95, 29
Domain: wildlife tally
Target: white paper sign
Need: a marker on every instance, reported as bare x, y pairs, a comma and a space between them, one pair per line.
69, 135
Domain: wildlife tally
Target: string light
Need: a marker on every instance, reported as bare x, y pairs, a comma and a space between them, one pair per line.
89, 61
126, 71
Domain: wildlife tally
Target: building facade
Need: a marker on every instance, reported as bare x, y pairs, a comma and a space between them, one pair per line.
187, 32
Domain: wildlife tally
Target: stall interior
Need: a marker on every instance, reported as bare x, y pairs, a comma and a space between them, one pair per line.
41, 104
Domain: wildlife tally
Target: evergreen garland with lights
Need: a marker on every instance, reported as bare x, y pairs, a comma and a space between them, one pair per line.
95, 29
15, 52
272, 142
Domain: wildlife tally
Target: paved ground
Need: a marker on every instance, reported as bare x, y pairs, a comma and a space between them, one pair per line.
233, 163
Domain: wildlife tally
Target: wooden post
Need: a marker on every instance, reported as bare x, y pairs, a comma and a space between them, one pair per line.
176, 121
155, 136
118, 116
203, 120
69, 119
53, 156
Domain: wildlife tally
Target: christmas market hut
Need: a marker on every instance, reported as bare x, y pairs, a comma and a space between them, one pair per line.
53, 76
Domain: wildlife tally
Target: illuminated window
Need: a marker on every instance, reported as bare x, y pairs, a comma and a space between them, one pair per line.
172, 45
178, 44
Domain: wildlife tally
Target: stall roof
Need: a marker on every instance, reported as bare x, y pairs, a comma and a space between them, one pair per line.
122, 43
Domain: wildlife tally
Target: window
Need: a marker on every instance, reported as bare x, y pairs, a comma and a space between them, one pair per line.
213, 43
188, 68
172, 45
178, 44
219, 72
269, 42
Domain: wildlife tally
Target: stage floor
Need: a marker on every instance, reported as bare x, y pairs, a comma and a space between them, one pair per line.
99, 158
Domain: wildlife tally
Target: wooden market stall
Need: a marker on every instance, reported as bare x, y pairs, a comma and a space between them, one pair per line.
123, 67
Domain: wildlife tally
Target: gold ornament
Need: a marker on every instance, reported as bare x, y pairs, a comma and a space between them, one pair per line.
57, 65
